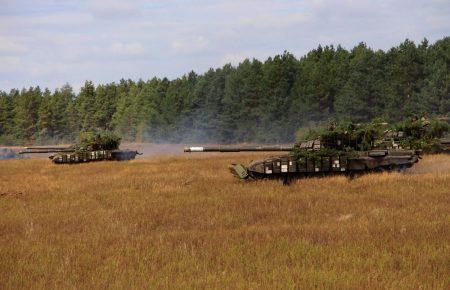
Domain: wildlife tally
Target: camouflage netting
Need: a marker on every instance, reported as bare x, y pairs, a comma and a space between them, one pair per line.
99, 140
422, 134
348, 138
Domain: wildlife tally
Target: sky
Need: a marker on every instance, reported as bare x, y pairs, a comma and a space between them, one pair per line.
53, 42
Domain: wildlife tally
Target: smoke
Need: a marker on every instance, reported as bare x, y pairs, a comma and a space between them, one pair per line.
204, 127
7, 153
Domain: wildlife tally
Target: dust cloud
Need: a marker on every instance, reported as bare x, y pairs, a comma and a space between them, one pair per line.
439, 163
9, 153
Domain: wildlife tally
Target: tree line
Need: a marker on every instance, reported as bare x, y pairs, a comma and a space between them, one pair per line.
252, 102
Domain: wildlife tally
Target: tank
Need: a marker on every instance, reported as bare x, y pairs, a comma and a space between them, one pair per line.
90, 147
70, 156
345, 149
293, 166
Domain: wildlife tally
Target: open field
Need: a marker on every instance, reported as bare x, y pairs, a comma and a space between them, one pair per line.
185, 222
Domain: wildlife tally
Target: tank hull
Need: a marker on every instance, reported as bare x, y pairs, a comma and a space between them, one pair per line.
289, 166
91, 156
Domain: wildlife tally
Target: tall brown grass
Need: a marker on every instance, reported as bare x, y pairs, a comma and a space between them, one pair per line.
185, 222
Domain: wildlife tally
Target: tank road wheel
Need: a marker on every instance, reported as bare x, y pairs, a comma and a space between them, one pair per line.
287, 179
258, 176
402, 168
387, 168
351, 175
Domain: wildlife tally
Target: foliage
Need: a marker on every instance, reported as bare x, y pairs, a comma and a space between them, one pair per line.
423, 133
99, 140
345, 138
252, 102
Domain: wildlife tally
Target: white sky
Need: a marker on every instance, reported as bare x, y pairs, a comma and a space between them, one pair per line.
51, 42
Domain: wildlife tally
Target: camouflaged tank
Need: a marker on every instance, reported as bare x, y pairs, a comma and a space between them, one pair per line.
315, 163
91, 147
350, 150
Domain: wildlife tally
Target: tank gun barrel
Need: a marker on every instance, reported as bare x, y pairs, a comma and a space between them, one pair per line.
238, 148
48, 147
38, 150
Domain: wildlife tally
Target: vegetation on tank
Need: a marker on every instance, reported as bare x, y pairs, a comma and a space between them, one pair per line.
348, 138
345, 138
97, 140
422, 133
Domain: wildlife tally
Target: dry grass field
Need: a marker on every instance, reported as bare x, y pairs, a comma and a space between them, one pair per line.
185, 222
